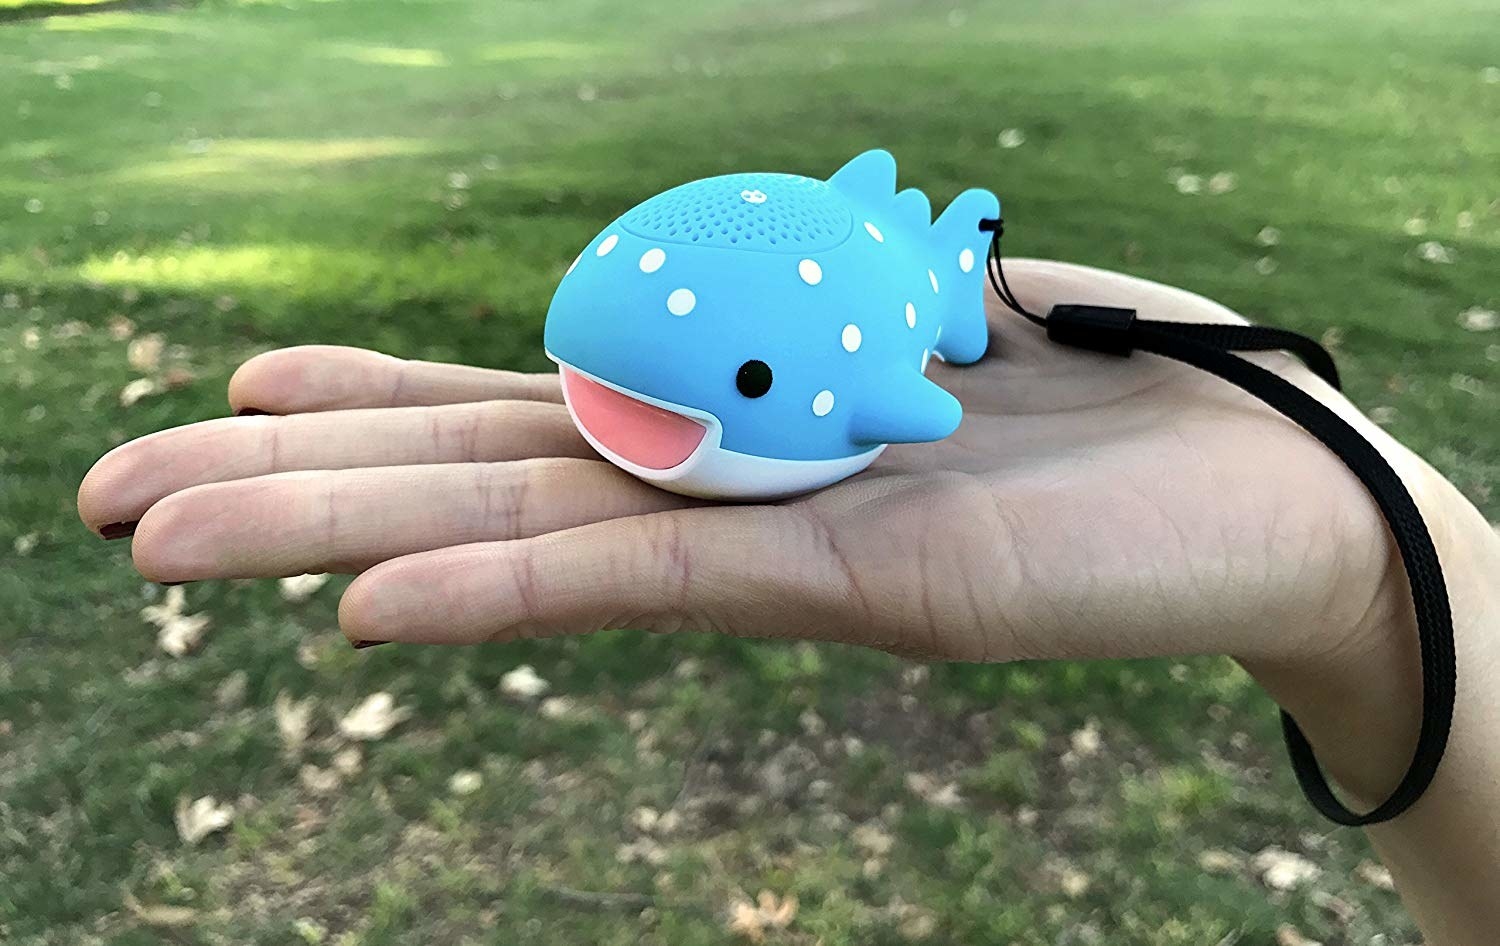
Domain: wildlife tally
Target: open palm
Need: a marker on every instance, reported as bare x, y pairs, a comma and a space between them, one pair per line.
1088, 506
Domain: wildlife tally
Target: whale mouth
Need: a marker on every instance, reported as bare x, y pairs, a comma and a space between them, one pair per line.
649, 436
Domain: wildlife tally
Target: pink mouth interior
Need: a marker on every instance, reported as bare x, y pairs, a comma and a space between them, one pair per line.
644, 434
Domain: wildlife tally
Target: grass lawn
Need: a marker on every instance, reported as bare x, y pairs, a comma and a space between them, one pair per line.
180, 189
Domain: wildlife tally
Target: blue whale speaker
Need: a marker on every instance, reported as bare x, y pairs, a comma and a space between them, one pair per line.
755, 336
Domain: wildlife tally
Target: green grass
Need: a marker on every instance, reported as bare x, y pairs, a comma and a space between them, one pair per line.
414, 177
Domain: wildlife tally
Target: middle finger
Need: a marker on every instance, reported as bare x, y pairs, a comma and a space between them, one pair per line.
131, 478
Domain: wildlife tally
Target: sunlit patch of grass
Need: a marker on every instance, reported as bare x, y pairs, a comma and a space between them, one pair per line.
387, 55
107, 20
536, 49
241, 156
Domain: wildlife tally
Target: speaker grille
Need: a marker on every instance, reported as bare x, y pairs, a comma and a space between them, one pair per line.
770, 213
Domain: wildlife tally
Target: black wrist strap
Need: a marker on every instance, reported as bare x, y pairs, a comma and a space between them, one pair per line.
1210, 347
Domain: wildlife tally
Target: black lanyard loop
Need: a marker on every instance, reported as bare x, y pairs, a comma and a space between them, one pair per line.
1211, 347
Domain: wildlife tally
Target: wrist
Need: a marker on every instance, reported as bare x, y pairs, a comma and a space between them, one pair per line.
1359, 702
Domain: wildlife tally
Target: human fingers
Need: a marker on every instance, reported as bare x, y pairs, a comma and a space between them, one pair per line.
343, 521
129, 479
334, 377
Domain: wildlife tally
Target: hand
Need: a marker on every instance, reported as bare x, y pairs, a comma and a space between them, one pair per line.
1088, 507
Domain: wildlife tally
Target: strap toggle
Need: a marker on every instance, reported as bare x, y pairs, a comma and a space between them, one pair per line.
1094, 327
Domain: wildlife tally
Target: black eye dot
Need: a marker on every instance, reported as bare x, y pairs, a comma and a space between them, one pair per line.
753, 379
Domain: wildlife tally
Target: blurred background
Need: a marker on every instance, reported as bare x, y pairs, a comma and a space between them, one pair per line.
183, 186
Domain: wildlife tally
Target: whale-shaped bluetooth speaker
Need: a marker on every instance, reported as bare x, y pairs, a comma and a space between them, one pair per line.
756, 336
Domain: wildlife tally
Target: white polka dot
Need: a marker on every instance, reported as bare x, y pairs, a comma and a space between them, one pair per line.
852, 337
681, 301
932, 278
810, 271
652, 259
573, 265
823, 403
607, 245
874, 232
911, 315
966, 260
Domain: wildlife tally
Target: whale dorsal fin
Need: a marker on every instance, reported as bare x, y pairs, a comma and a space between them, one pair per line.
870, 176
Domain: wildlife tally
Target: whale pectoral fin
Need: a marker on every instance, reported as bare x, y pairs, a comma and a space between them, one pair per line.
871, 175
907, 409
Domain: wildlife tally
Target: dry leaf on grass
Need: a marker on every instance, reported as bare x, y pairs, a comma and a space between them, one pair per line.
1376, 875
933, 791
198, 819
144, 352
293, 721
301, 587
769, 912
1479, 320
157, 914
1288, 935
348, 761
318, 781
178, 634
873, 839
1283, 870
373, 718
523, 683
465, 782
1218, 862
132, 393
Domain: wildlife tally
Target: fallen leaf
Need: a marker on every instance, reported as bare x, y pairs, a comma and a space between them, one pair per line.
1283, 870
348, 761
1434, 252
198, 819
178, 634
1218, 862
644, 819
556, 707
465, 782
25, 544
132, 393
1479, 320
1341, 909
374, 717
873, 839
1376, 875
935, 792
293, 721
641, 850
158, 914
300, 587
1288, 935
769, 912
1222, 183
230, 694
1073, 882
523, 683
1011, 138
1086, 741
144, 352
1268, 236
318, 781
183, 634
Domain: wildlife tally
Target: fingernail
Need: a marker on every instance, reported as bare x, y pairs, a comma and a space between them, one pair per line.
251, 412
117, 530
361, 645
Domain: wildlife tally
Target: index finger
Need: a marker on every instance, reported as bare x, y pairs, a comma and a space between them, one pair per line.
311, 378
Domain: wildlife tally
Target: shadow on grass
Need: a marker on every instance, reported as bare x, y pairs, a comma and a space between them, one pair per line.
40, 11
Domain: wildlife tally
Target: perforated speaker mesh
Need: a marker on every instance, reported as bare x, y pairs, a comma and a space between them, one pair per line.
772, 213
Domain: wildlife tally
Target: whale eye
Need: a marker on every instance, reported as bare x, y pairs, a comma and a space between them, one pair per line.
753, 379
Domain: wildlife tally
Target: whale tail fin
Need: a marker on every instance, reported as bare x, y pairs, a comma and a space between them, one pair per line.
956, 247
959, 251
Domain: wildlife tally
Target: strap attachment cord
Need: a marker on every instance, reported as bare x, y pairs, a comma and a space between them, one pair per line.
1211, 348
